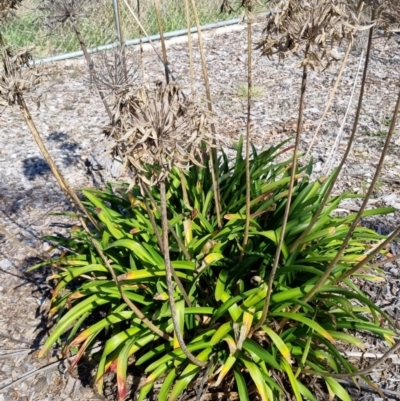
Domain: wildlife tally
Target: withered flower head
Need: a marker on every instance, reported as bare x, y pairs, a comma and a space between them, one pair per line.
386, 14
159, 128
230, 6
17, 76
311, 27
112, 73
61, 11
7, 8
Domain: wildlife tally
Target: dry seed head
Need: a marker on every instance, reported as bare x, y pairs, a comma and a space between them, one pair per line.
61, 11
382, 13
17, 76
113, 73
388, 14
159, 128
7, 8
311, 27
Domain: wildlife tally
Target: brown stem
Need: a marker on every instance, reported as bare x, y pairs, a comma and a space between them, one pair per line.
168, 269
163, 47
68, 191
213, 153
174, 234
91, 68
121, 38
346, 153
190, 45
161, 243
289, 198
148, 38
249, 89
141, 47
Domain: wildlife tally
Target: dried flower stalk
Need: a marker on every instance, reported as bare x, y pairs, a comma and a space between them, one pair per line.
319, 25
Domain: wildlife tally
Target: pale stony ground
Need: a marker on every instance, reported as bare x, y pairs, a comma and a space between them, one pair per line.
70, 121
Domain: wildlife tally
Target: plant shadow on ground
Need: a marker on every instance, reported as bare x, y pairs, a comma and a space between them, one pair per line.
34, 167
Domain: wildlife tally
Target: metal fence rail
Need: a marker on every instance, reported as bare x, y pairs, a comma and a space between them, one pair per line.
99, 26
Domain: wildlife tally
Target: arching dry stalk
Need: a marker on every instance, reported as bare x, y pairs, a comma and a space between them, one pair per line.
368, 195
310, 28
168, 268
16, 79
328, 271
349, 145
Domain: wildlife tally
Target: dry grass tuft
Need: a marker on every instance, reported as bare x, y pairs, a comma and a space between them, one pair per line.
159, 128
311, 27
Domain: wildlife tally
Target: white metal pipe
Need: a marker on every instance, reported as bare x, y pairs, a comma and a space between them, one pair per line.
131, 42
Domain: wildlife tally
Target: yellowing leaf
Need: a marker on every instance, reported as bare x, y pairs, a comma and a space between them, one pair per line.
282, 347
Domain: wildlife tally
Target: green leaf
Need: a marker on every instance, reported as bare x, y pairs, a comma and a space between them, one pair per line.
310, 323
122, 365
282, 347
256, 375
67, 320
294, 383
337, 389
168, 381
241, 385
254, 349
180, 314
138, 250
188, 375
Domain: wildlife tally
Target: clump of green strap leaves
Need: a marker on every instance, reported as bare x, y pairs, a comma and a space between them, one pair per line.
226, 286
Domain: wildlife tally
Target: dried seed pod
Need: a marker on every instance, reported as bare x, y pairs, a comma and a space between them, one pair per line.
113, 72
61, 11
17, 76
310, 27
7, 8
157, 129
387, 14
